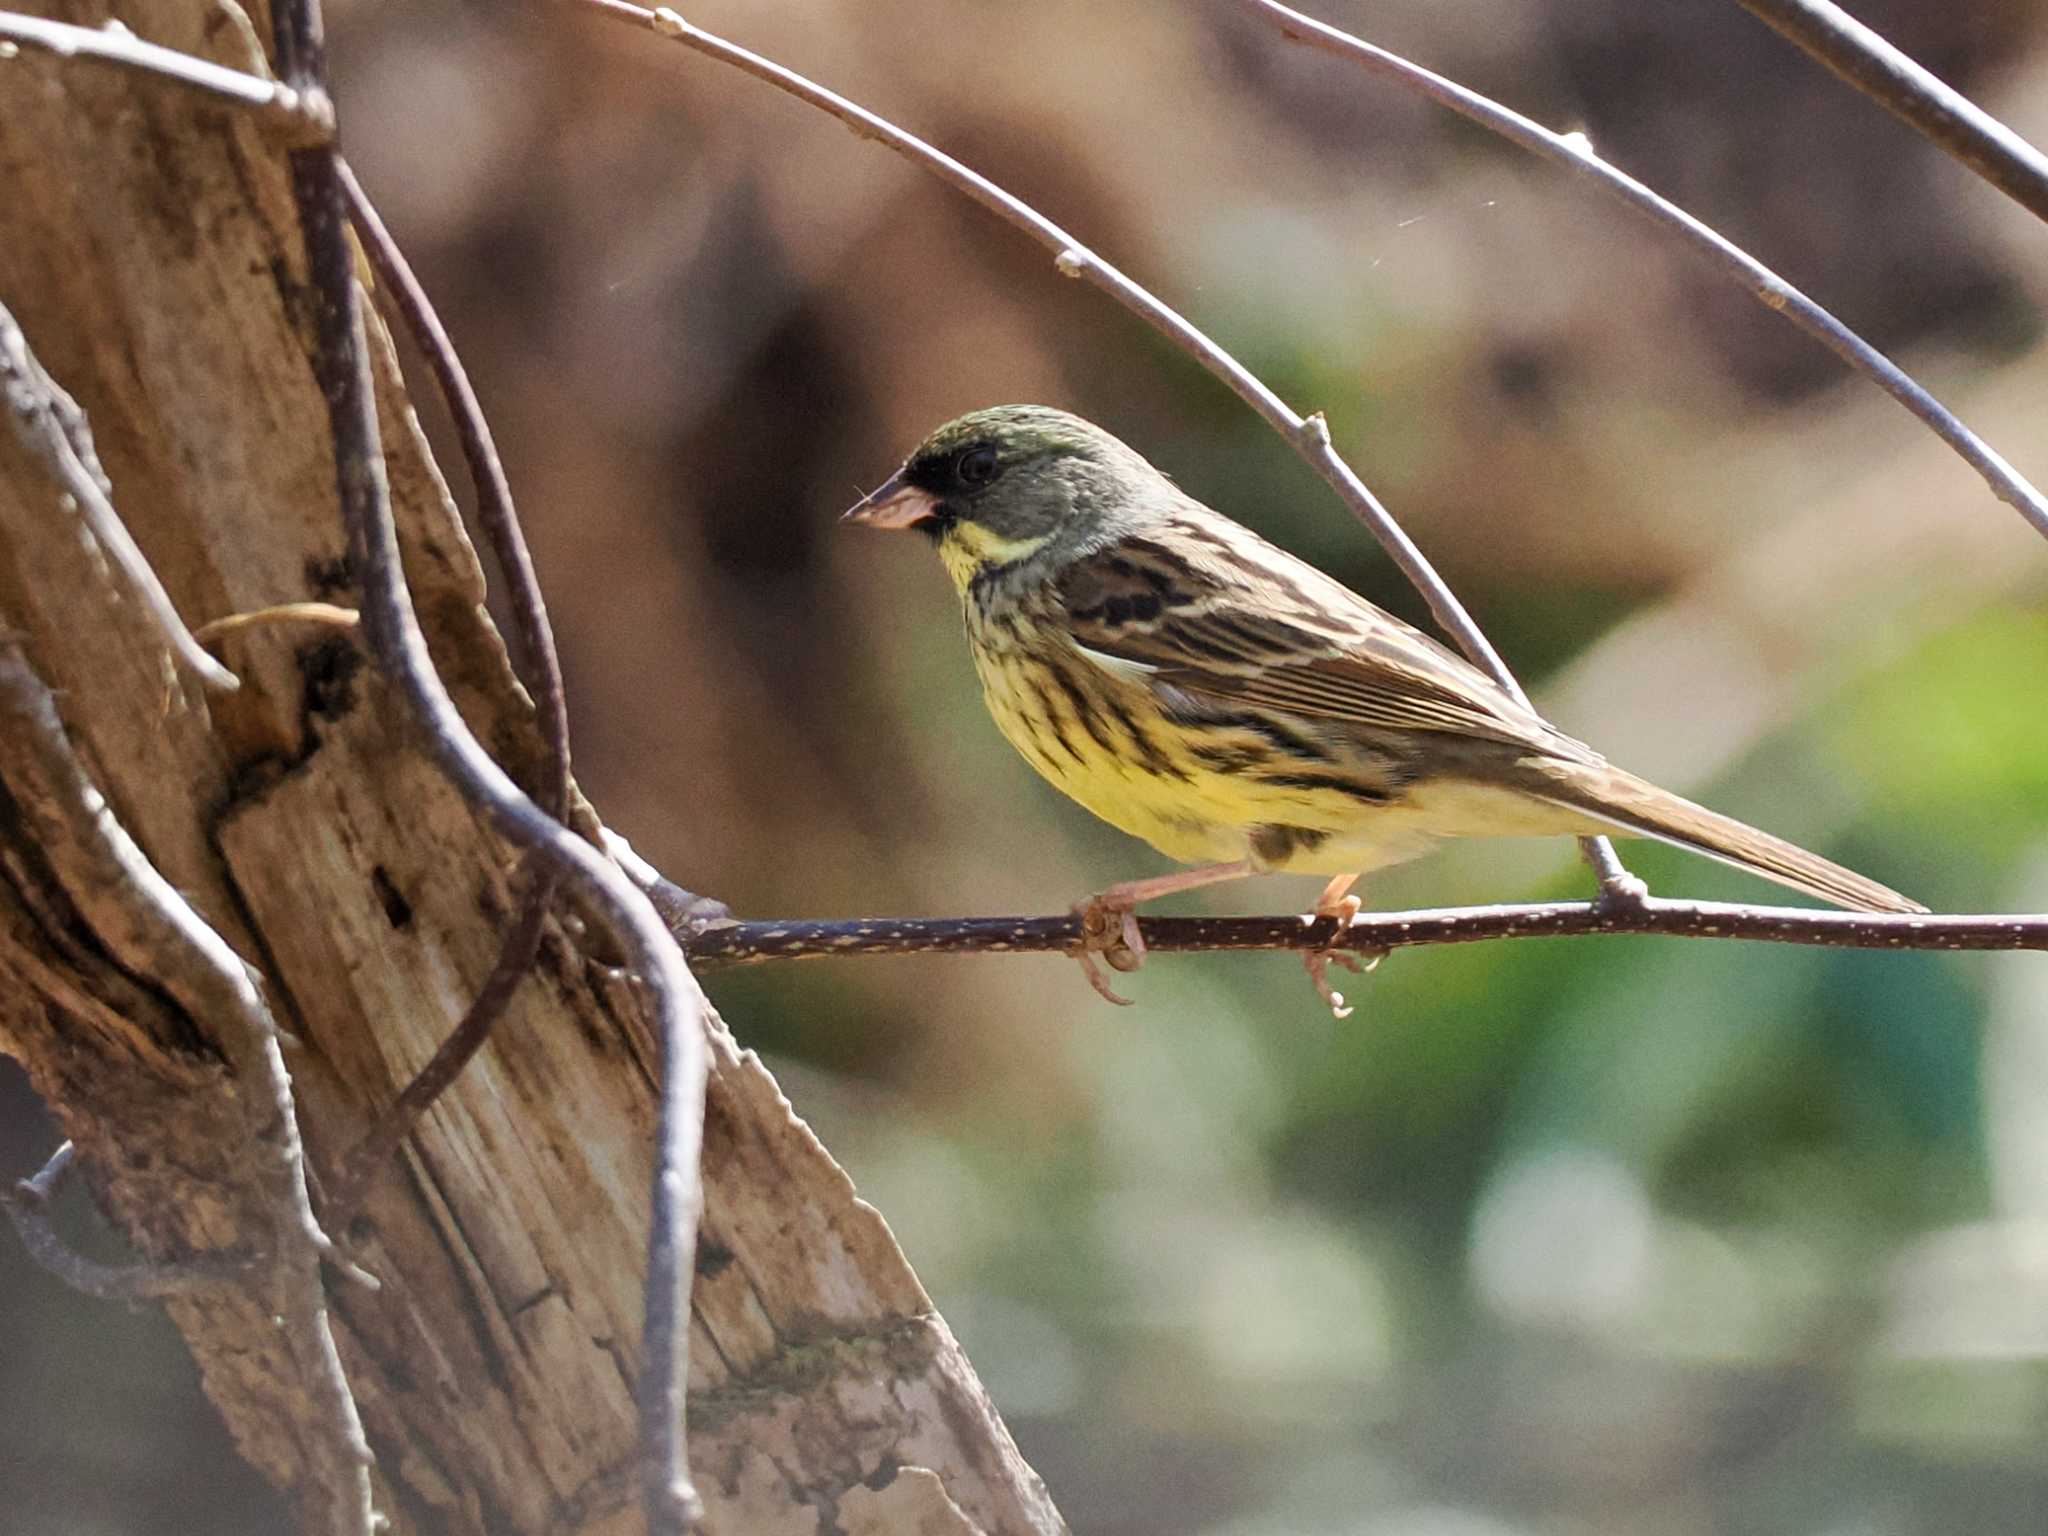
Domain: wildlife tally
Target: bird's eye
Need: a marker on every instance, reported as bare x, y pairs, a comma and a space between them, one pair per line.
977, 466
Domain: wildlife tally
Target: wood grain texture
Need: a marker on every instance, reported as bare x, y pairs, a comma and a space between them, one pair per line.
153, 261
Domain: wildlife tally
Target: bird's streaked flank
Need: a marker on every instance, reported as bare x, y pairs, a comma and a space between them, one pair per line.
1240, 711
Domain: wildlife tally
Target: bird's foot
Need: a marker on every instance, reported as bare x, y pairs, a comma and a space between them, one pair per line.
1109, 928
1317, 962
1109, 924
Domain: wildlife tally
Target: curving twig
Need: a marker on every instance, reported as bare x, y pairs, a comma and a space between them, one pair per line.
1913, 94
1766, 286
342, 362
28, 1206
1309, 435
494, 508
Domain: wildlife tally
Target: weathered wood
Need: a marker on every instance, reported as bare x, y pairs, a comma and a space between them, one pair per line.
151, 256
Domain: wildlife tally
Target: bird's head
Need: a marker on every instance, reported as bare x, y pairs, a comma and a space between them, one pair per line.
1023, 488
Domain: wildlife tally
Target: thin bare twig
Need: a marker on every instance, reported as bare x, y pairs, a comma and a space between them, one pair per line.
342, 362
1309, 435
1913, 94
143, 920
28, 1206
1769, 289
292, 116
54, 429
712, 940
494, 507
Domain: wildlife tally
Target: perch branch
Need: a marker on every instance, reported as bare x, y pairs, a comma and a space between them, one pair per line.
1911, 93
54, 429
1309, 435
292, 116
712, 940
343, 364
153, 930
1769, 289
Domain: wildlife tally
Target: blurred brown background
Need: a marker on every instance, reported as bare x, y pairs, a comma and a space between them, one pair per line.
1618, 1236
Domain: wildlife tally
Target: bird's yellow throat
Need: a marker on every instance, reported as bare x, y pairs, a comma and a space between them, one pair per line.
968, 548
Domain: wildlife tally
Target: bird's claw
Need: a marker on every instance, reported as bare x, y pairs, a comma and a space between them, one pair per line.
1111, 932
1098, 981
1317, 962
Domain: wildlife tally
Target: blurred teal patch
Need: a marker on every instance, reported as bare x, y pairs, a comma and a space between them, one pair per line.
1965, 742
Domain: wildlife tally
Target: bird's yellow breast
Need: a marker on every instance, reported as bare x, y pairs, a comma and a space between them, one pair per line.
1196, 795
1123, 764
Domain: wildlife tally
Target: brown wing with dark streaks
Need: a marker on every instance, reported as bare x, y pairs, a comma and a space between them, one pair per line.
1203, 605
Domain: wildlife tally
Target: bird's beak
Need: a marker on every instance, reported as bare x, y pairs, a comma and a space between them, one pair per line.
895, 503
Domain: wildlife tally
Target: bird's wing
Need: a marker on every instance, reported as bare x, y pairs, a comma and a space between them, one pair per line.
1201, 604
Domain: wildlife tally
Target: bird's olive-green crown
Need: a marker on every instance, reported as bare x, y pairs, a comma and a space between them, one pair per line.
1026, 473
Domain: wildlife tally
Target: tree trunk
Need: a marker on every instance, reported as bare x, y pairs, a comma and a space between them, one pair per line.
152, 258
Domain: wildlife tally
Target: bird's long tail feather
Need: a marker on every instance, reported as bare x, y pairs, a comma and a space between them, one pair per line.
1631, 805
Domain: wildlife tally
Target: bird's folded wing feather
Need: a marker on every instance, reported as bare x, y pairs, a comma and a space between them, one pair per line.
1212, 609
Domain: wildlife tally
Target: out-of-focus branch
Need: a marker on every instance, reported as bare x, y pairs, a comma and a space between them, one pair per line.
342, 362
293, 116
156, 931
1913, 94
28, 1206
1309, 435
714, 940
54, 429
1769, 289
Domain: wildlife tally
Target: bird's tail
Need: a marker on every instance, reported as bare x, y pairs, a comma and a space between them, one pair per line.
1630, 805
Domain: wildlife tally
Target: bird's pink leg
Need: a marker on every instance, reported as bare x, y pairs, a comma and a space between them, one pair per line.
1109, 923
1335, 903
